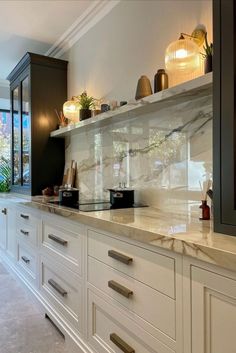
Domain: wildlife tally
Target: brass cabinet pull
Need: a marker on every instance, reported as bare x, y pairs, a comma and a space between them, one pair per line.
24, 232
25, 216
121, 344
120, 257
57, 239
25, 259
4, 211
126, 292
57, 287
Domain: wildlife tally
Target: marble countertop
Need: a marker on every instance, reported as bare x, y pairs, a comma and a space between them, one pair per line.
184, 234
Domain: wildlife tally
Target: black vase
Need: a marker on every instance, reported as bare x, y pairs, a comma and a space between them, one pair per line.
208, 64
85, 114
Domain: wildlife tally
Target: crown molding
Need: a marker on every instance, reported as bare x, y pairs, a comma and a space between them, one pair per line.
4, 83
89, 18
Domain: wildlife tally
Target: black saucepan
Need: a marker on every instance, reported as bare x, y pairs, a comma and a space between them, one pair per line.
121, 198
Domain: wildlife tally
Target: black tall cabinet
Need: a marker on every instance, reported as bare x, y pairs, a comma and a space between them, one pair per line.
38, 86
224, 126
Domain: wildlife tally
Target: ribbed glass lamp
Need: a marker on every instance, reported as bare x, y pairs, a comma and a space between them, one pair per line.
182, 56
71, 110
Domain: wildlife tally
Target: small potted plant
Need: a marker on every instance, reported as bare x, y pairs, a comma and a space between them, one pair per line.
208, 54
87, 103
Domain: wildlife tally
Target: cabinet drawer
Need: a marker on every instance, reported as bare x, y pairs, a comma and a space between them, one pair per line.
27, 261
26, 217
63, 290
27, 232
151, 305
64, 245
110, 330
153, 269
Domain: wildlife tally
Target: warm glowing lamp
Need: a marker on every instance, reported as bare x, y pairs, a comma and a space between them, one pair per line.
71, 110
183, 55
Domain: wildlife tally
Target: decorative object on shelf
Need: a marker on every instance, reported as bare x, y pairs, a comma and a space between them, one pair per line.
87, 103
160, 81
96, 112
205, 209
71, 109
105, 108
183, 55
63, 121
207, 55
113, 104
123, 103
144, 88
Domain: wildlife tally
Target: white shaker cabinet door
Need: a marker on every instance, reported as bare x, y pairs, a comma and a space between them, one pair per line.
213, 312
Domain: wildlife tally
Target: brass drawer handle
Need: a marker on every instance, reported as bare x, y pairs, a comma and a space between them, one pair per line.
121, 344
25, 216
57, 239
120, 257
126, 292
4, 211
57, 287
25, 259
24, 232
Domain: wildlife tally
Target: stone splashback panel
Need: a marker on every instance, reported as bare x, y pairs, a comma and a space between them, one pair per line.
162, 155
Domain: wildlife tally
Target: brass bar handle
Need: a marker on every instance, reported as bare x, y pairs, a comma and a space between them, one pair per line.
126, 292
57, 239
57, 287
120, 257
121, 344
25, 259
24, 232
25, 216
4, 211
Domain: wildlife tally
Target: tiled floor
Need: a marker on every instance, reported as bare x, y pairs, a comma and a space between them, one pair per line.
23, 327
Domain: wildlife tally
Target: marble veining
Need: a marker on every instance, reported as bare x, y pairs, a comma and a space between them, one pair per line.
181, 233
161, 154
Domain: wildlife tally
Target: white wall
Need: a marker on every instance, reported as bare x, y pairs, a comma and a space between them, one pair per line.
131, 41
107, 61
4, 97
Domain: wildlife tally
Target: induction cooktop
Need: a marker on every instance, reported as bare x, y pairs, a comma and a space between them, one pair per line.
94, 205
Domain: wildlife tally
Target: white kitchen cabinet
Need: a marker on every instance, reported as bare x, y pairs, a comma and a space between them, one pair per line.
3, 226
210, 320
11, 232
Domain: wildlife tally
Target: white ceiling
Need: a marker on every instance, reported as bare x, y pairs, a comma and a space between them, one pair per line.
33, 26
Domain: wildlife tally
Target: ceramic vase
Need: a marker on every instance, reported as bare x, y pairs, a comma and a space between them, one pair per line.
144, 88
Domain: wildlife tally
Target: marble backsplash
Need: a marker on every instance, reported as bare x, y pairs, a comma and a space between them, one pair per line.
162, 155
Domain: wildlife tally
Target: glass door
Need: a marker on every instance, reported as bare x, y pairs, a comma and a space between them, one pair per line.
25, 117
16, 138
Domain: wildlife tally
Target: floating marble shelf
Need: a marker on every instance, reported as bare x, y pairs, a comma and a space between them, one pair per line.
199, 87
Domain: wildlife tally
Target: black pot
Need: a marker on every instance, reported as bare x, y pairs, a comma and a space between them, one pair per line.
208, 64
68, 197
85, 114
121, 198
